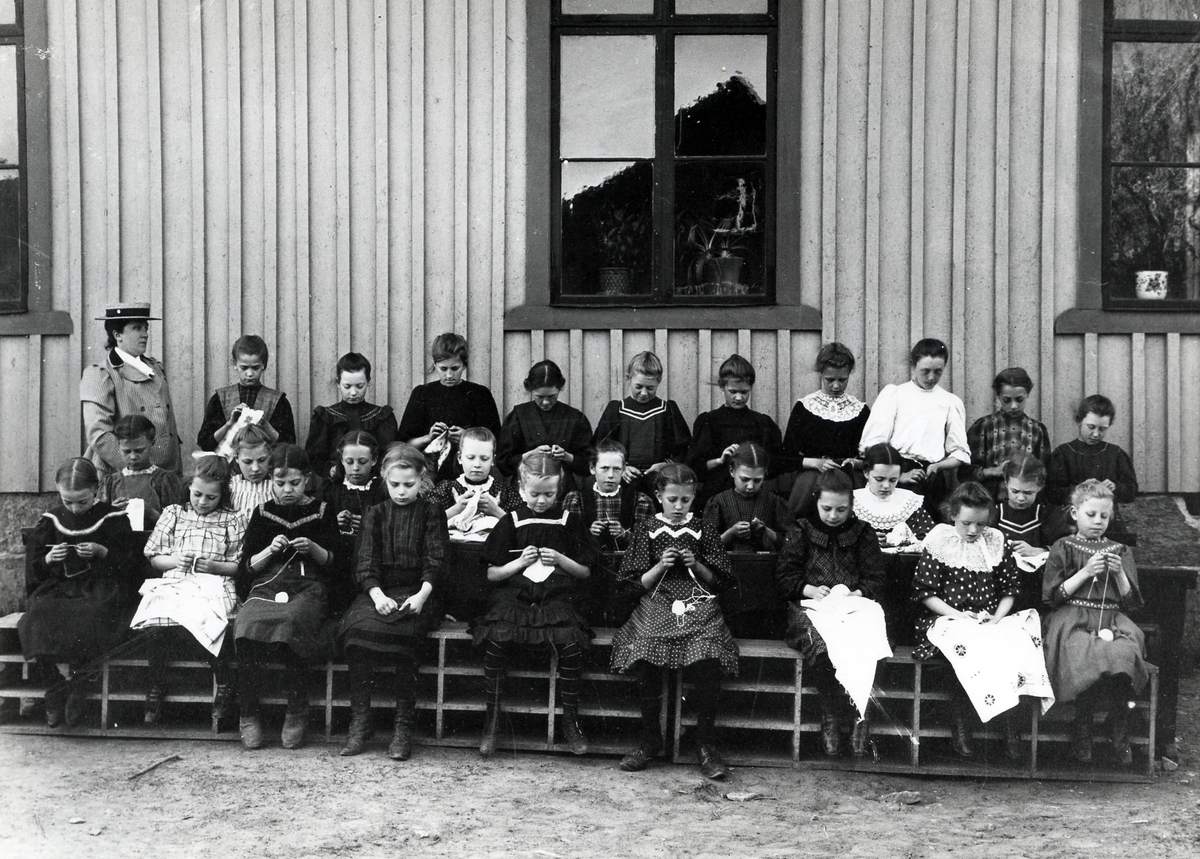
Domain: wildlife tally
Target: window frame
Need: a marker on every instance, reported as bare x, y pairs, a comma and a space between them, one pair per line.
537, 313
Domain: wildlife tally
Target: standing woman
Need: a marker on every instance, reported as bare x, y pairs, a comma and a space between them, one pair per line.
128, 382
824, 430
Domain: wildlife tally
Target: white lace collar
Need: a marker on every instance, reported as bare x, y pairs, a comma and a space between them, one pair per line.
985, 554
354, 486
486, 486
884, 514
132, 472
839, 409
612, 494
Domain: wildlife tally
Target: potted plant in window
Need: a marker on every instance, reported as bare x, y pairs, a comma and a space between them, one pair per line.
717, 267
623, 235
1156, 234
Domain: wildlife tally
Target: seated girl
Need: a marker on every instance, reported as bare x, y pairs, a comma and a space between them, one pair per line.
824, 429
250, 485
195, 549
356, 486
897, 515
1029, 526
287, 551
832, 553
545, 425
478, 497
536, 557
1006, 432
400, 558
609, 508
717, 434
748, 518
967, 581
923, 421
1095, 654
679, 567
1090, 457
81, 554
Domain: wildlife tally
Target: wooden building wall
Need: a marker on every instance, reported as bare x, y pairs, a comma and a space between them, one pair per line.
344, 174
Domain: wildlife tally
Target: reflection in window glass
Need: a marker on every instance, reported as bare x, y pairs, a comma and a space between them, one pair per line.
1155, 102
719, 241
720, 95
607, 235
11, 207
10, 144
8, 13
608, 7
721, 7
1154, 225
1164, 10
607, 97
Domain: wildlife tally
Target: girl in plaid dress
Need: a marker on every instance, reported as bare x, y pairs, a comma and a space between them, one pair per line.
195, 548
680, 567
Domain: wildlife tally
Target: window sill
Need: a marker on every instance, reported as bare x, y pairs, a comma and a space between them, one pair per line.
762, 317
1080, 320
46, 322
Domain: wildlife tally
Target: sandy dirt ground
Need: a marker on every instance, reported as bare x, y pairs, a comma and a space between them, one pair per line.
65, 797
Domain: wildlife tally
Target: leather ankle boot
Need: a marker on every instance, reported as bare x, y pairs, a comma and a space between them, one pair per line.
360, 721
860, 737
400, 749
960, 731
1081, 732
295, 720
572, 732
652, 739
491, 724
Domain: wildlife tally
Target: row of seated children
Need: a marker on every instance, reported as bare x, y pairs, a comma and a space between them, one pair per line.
536, 556
828, 428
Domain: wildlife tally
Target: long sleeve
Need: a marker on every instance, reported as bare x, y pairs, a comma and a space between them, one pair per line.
578, 442
161, 540
1058, 476
510, 444
872, 565
436, 541
1056, 571
882, 420
319, 443
214, 419
956, 431
793, 445
283, 421
609, 425
790, 570
701, 449
1125, 479
415, 422
99, 405
678, 435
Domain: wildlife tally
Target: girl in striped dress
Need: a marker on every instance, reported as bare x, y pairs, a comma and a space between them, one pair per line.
679, 566
401, 551
250, 485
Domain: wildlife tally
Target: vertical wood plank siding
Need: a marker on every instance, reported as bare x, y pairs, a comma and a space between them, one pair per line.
351, 174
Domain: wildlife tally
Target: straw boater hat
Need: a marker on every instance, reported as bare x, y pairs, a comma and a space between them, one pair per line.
134, 311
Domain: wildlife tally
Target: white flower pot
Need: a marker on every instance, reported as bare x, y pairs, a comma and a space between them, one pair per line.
1152, 285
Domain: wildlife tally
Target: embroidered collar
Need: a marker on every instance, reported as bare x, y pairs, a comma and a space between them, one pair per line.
130, 472
486, 486
291, 523
612, 494
356, 488
136, 363
838, 409
884, 514
984, 555
670, 528
80, 532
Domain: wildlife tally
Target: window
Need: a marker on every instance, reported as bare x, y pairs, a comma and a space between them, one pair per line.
1151, 155
13, 196
663, 152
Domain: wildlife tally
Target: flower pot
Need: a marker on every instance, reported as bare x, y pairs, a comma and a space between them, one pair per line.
1152, 285
615, 281
726, 271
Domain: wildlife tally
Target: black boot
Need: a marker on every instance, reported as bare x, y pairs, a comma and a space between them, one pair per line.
572, 732
156, 647
1013, 748
249, 680
831, 729
652, 739
960, 730
295, 720
77, 696
1081, 731
1118, 730
360, 710
400, 749
707, 755
860, 737
56, 692
491, 724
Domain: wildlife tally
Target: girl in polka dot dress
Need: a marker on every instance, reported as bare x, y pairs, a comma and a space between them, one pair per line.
679, 566
966, 570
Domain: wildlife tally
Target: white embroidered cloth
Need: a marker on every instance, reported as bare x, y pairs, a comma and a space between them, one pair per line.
197, 601
856, 639
996, 663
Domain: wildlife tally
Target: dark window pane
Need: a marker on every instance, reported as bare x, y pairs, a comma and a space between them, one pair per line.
607, 97
722, 7
607, 233
608, 7
12, 277
719, 247
720, 95
10, 142
1155, 102
1165, 10
1155, 226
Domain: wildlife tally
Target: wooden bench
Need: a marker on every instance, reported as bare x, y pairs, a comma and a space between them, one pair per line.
769, 715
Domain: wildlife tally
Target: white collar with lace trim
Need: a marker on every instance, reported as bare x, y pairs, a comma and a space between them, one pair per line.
884, 514
838, 409
136, 363
612, 494
366, 487
985, 554
486, 486
131, 472
669, 527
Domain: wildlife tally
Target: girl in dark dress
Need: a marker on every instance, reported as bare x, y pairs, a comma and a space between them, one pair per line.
400, 556
284, 561
748, 518
546, 425
679, 567
824, 429
330, 423
1028, 524
81, 591
717, 434
356, 487
438, 412
535, 557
